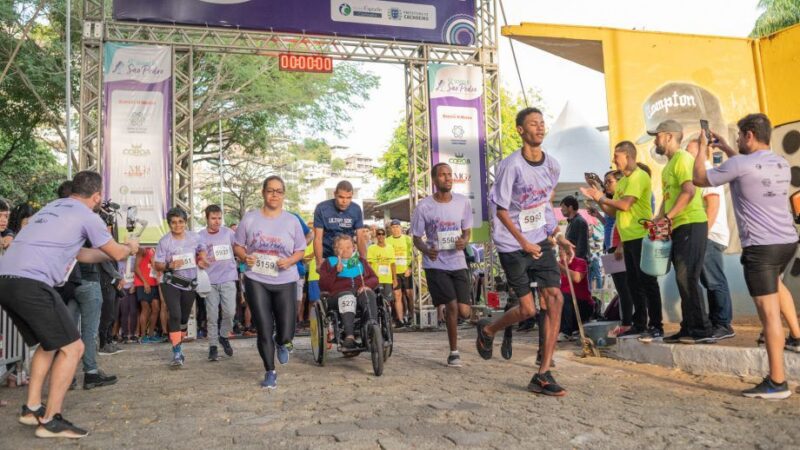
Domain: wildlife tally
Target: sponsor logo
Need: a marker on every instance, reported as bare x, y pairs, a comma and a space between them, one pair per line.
672, 101
395, 14
136, 150
458, 131
345, 9
455, 86
459, 159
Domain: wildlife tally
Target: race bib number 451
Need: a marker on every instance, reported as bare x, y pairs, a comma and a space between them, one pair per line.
532, 219
347, 304
266, 265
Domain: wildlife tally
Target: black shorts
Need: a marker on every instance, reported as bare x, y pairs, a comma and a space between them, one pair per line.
404, 282
764, 264
144, 297
521, 269
38, 313
448, 285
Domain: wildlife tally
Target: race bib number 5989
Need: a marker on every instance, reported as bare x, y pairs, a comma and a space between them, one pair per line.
532, 219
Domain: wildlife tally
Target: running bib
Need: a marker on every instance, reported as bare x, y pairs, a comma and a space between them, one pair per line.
187, 259
347, 304
69, 271
402, 262
266, 265
447, 239
384, 270
532, 219
222, 252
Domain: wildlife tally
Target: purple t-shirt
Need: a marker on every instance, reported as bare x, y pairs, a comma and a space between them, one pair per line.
270, 239
186, 249
760, 192
46, 248
442, 224
219, 252
524, 190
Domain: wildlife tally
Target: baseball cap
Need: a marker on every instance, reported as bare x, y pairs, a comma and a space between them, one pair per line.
684, 103
667, 126
395, 222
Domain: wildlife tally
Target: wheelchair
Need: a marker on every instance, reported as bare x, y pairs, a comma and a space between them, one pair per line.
372, 335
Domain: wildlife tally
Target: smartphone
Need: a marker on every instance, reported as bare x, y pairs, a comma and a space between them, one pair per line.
593, 180
717, 159
706, 130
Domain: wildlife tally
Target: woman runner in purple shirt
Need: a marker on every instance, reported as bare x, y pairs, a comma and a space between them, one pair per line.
271, 242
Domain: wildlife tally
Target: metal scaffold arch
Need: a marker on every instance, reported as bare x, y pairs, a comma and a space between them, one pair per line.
185, 41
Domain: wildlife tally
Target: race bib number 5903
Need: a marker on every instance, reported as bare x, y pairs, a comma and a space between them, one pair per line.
532, 219
222, 252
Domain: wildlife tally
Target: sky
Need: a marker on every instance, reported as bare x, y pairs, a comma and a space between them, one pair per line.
557, 80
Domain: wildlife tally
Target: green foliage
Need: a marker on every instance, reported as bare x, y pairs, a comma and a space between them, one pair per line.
337, 165
509, 107
312, 150
31, 174
776, 15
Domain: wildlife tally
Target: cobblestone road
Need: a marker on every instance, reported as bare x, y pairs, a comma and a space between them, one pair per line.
418, 403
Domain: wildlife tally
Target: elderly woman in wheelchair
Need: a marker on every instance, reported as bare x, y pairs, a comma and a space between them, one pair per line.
350, 283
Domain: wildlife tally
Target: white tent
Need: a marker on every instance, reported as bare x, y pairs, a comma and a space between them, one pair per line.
579, 148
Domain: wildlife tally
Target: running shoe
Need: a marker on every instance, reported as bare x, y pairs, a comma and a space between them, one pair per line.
545, 384
484, 342
770, 390
213, 355
505, 347
652, 335
348, 343
721, 332
562, 337
31, 417
691, 340
792, 344
226, 346
177, 360
99, 379
632, 332
59, 427
270, 380
454, 360
283, 352
109, 349
675, 338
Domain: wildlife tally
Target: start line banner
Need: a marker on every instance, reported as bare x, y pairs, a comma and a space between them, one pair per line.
137, 107
458, 135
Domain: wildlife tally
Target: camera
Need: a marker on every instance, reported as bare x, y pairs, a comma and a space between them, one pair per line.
108, 212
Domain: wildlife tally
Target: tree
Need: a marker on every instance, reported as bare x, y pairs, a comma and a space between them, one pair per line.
394, 163
337, 165
30, 174
776, 15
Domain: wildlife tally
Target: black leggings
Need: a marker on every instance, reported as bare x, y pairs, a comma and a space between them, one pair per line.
273, 308
179, 304
366, 299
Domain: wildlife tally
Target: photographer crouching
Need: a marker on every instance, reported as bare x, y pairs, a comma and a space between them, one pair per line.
43, 255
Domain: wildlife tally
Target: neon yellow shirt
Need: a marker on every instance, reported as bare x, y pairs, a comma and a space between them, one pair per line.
381, 260
636, 185
402, 251
678, 171
312, 266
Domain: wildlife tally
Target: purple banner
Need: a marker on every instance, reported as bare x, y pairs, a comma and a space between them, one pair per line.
458, 135
435, 21
137, 107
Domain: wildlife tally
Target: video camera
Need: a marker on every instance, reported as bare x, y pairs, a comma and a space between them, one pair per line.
109, 212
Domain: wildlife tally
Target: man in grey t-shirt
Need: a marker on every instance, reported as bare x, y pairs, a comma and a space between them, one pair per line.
759, 182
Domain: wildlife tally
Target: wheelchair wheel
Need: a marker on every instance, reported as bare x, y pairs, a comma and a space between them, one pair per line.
388, 332
318, 333
376, 348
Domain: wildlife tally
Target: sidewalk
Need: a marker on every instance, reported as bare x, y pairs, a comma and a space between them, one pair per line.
738, 356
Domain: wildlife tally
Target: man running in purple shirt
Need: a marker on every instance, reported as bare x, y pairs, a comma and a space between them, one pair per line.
445, 219
525, 232
42, 257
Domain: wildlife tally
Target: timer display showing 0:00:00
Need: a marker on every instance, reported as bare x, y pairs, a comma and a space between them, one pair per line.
308, 63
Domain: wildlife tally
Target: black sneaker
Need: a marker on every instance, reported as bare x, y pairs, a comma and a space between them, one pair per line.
633, 332
31, 417
505, 347
109, 349
675, 338
59, 427
454, 360
399, 325
545, 384
213, 355
484, 341
792, 344
768, 389
226, 345
93, 380
652, 335
697, 340
349, 343
722, 332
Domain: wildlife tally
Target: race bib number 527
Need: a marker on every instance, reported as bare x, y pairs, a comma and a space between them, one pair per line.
347, 304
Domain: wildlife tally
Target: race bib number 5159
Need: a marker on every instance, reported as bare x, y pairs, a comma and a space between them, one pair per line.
266, 265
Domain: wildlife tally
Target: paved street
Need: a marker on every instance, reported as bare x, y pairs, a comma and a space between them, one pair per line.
418, 403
